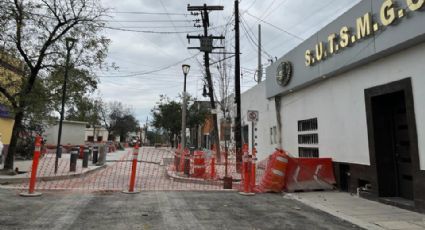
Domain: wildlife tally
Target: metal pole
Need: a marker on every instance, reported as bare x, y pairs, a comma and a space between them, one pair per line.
59, 147
238, 136
252, 137
69, 45
260, 66
183, 143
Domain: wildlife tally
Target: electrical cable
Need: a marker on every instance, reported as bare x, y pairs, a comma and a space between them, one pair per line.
278, 28
157, 70
149, 13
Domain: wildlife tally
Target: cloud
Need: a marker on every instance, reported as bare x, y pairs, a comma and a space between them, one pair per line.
137, 52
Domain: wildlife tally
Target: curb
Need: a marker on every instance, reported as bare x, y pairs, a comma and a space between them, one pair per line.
335, 213
6, 181
193, 180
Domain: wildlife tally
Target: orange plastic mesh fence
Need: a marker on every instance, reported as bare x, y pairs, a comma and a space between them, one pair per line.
155, 172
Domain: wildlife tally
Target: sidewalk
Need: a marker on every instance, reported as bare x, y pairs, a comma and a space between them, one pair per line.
45, 170
367, 214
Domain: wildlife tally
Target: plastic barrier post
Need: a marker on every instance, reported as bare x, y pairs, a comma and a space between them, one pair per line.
253, 172
253, 169
181, 165
31, 191
212, 167
133, 171
246, 176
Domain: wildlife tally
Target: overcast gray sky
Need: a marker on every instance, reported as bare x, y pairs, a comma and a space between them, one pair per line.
150, 62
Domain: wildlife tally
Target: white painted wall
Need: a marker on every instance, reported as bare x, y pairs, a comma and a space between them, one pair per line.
255, 99
339, 105
72, 133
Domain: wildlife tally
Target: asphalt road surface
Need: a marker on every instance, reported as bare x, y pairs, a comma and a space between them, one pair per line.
160, 210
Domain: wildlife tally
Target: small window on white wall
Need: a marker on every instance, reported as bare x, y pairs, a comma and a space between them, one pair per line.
271, 135
308, 138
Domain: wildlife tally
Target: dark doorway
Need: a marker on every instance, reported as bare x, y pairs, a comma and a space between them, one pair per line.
392, 145
344, 175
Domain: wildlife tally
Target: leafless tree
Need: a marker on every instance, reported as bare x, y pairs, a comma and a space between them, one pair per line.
34, 31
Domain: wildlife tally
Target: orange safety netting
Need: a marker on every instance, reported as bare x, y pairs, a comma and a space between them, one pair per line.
156, 171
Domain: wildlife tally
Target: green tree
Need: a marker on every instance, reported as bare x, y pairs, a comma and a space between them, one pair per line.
118, 120
125, 124
167, 115
80, 85
35, 31
86, 109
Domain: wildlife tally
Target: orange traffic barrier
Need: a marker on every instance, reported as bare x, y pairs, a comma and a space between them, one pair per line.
274, 177
31, 191
199, 164
309, 174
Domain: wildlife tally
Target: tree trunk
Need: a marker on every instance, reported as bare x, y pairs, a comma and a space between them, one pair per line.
17, 127
172, 141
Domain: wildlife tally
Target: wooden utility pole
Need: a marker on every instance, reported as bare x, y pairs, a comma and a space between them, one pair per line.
260, 66
238, 134
207, 47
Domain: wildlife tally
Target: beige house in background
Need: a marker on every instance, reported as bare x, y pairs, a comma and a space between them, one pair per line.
97, 134
73, 133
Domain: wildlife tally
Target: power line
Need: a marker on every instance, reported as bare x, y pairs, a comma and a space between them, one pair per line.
276, 27
274, 9
150, 31
149, 13
145, 21
252, 38
267, 9
153, 27
153, 71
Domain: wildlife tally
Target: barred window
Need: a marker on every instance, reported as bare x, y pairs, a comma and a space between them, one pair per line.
309, 136
307, 125
308, 152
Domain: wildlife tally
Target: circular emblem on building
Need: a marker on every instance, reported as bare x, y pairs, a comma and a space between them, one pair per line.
284, 73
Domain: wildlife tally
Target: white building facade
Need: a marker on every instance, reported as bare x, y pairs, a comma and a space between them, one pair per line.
73, 133
355, 92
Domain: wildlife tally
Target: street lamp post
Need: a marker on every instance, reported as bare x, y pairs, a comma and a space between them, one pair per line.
70, 42
185, 69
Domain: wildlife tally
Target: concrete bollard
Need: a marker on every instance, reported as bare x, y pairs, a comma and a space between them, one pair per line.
102, 155
73, 159
86, 157
95, 154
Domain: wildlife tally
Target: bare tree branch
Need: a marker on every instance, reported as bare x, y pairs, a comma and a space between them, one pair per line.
19, 24
9, 97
